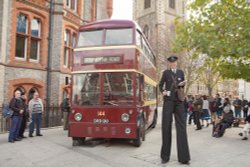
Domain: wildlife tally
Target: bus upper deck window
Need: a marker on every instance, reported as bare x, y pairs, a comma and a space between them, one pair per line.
119, 36
90, 38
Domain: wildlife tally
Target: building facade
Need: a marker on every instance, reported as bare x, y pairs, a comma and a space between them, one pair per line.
156, 18
37, 39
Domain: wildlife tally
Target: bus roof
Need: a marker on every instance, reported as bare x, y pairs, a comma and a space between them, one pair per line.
108, 23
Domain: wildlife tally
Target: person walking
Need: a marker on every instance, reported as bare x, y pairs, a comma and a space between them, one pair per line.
172, 80
205, 111
16, 119
218, 105
237, 107
36, 110
245, 107
198, 111
212, 108
191, 111
66, 110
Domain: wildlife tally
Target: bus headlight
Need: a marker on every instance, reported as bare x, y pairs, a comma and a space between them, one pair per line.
78, 116
125, 117
127, 131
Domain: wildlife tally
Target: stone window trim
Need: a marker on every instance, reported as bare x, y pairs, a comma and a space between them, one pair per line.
29, 38
69, 42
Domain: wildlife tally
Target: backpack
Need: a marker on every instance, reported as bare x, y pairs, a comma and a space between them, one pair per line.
7, 111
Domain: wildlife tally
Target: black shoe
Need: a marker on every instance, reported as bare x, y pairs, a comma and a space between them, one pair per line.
185, 163
240, 134
11, 141
22, 137
198, 129
164, 161
245, 138
17, 139
30, 135
39, 135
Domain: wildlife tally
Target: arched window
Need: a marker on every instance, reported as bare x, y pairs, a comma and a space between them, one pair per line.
146, 31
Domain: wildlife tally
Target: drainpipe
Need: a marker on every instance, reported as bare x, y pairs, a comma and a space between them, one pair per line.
48, 81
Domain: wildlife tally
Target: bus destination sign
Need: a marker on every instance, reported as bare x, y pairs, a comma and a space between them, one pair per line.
101, 59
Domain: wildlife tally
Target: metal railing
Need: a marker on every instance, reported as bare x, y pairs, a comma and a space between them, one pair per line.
54, 118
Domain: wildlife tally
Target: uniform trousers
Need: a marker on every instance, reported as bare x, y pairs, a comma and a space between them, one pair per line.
175, 108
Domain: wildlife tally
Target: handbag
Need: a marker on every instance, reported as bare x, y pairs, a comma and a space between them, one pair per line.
180, 90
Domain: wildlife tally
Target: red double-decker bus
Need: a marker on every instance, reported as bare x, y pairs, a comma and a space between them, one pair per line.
113, 83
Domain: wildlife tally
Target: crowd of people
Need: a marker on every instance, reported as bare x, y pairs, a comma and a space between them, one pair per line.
220, 112
25, 113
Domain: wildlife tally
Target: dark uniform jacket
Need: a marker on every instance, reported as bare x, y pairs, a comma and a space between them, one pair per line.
169, 82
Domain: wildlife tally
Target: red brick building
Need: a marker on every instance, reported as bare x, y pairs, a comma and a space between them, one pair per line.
37, 39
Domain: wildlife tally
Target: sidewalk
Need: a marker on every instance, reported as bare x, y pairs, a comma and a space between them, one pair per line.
55, 149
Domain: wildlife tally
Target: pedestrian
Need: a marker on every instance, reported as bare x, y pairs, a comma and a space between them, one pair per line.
191, 111
245, 108
205, 111
36, 110
25, 115
212, 108
66, 111
16, 119
218, 105
237, 107
198, 111
171, 82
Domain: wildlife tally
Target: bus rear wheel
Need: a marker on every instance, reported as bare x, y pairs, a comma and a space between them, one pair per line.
78, 141
140, 134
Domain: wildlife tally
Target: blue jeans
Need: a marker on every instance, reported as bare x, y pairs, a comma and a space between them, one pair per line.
219, 112
237, 113
36, 119
15, 127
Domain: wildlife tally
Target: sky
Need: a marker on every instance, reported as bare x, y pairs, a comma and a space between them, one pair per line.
122, 9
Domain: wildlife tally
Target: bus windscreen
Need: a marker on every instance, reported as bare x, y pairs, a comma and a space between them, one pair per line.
122, 36
90, 38
119, 36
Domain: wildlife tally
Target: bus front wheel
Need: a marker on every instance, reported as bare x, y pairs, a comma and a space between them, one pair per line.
78, 141
140, 134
